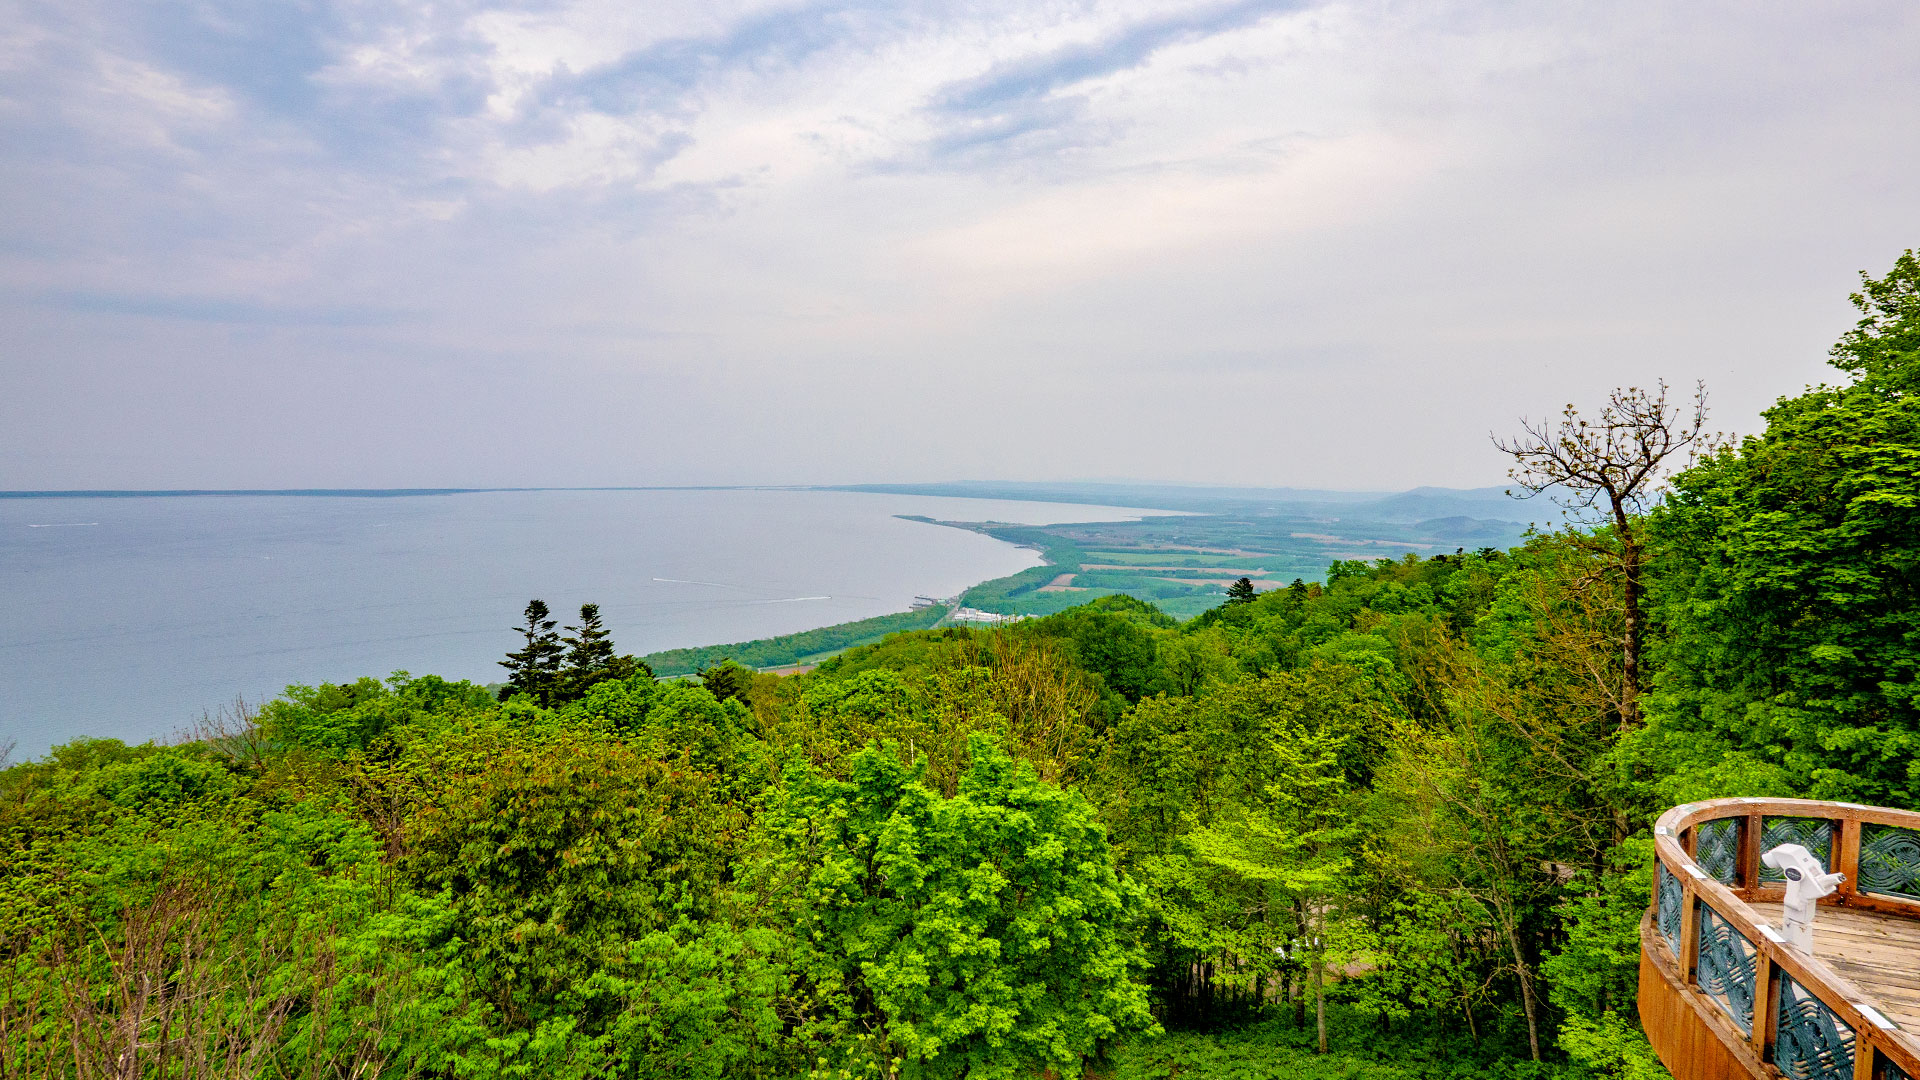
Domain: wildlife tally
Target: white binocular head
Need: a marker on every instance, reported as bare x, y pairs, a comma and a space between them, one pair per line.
1805, 876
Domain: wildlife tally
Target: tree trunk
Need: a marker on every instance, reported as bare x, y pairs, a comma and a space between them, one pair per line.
1630, 637
1320, 1001
1526, 990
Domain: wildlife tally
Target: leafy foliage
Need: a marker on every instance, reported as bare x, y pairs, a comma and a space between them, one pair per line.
988, 930
1411, 800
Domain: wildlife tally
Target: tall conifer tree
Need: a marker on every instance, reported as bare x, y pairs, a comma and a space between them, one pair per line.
534, 669
590, 655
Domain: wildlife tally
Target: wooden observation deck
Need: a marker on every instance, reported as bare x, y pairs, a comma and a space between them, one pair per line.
1723, 997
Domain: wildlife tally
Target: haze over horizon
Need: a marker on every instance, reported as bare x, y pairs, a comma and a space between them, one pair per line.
456, 489
1326, 245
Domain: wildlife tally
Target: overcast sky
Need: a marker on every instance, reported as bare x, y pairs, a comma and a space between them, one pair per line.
367, 243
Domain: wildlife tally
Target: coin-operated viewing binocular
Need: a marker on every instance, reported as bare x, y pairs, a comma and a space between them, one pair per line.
1807, 882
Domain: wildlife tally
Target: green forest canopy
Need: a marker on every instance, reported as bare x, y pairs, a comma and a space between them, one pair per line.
1398, 817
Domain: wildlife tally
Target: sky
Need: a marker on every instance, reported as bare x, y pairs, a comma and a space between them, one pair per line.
362, 243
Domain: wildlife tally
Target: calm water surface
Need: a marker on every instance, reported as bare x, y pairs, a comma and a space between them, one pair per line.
130, 617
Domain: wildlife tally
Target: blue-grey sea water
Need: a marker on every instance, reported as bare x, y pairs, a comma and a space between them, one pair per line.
131, 617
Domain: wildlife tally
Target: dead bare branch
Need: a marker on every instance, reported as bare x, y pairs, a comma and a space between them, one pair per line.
1621, 456
1605, 473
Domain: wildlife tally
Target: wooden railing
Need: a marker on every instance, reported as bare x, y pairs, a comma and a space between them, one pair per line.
1711, 964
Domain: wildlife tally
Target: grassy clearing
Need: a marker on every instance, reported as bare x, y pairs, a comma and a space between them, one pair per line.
1173, 558
808, 646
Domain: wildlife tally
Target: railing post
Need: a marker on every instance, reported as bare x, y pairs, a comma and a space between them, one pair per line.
1846, 860
1765, 1008
1749, 866
1862, 1057
1689, 930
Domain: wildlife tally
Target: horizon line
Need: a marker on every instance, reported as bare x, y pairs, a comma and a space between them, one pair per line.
112, 493
414, 492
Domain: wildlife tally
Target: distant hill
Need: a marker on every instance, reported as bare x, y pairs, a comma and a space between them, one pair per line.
1493, 533
1421, 504
1428, 503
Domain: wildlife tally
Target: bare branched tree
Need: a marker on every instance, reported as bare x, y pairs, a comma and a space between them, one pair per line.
234, 733
158, 995
1605, 472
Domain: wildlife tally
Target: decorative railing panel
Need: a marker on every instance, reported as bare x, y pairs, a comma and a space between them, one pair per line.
1890, 861
1725, 967
1814, 834
1672, 898
1809, 1041
1889, 1071
1716, 848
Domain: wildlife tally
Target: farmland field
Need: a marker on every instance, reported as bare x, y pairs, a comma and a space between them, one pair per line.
1184, 563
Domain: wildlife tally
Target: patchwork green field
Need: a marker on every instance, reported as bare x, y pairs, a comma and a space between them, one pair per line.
1184, 564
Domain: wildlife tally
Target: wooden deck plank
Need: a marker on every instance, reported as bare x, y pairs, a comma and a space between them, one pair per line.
1879, 952
1827, 949
1891, 996
1897, 971
1880, 982
1875, 922
1865, 932
1907, 1015
1890, 989
1864, 926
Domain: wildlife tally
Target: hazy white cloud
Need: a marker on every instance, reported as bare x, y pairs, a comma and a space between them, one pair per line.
372, 242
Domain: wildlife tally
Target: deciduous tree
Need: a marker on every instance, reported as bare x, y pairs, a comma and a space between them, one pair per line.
982, 936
